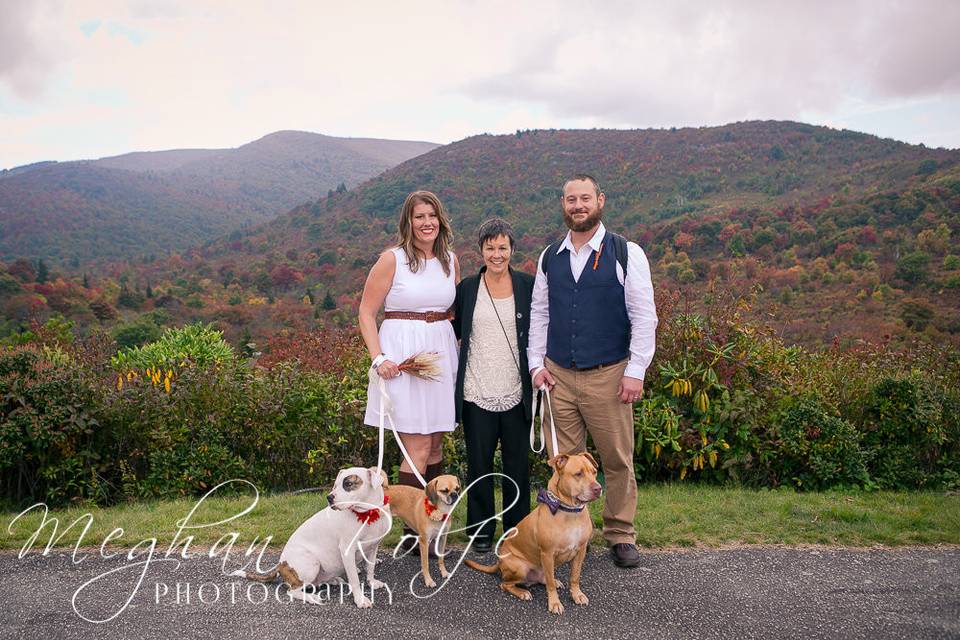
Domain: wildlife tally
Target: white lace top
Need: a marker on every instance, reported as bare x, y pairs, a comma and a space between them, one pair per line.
491, 380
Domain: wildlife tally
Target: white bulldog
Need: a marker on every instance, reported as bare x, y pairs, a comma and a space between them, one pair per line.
325, 547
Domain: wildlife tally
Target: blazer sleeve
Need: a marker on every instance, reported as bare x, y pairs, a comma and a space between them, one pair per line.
458, 310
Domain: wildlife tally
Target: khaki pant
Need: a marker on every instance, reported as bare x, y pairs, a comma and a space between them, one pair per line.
586, 401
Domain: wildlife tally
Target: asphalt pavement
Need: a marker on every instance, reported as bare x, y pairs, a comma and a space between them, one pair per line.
750, 592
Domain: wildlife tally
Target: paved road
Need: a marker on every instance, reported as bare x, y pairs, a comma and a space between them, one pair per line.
738, 593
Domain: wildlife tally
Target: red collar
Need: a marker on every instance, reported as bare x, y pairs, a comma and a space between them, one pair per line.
429, 507
370, 515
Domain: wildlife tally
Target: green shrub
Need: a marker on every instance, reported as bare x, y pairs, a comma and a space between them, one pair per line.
51, 445
820, 450
905, 431
195, 343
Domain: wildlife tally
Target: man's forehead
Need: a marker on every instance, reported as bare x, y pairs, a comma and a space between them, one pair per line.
578, 187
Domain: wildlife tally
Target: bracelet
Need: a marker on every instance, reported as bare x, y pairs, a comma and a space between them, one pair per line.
379, 360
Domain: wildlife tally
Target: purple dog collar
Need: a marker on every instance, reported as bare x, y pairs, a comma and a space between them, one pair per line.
554, 503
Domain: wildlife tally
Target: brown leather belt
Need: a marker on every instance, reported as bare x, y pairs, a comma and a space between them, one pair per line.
426, 316
574, 367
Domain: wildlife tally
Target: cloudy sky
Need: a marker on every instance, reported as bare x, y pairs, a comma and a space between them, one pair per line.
89, 78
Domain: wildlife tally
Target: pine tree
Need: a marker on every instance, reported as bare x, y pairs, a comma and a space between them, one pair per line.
328, 302
42, 272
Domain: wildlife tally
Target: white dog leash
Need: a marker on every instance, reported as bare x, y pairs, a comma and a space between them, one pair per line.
538, 409
386, 411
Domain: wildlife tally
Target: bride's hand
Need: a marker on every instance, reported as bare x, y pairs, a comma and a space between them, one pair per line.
388, 369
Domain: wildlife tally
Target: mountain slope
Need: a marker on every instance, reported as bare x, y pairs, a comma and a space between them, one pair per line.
831, 232
146, 203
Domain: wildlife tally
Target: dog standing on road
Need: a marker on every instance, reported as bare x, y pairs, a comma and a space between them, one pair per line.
426, 511
554, 533
325, 547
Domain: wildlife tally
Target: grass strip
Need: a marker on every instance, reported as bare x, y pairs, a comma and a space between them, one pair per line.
668, 515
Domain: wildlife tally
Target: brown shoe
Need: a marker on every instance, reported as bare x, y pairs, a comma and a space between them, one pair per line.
625, 555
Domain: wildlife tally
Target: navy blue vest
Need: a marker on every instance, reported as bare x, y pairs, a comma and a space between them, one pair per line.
588, 318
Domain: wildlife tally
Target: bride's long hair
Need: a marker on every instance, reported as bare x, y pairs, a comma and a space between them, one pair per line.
441, 245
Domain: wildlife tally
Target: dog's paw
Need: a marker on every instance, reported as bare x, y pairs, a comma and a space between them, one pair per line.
362, 601
559, 584
555, 606
427, 580
579, 597
444, 573
377, 584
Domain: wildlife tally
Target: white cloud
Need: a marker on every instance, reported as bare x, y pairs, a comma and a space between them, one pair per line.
161, 74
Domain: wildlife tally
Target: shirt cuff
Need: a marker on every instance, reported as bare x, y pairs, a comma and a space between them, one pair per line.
535, 365
634, 371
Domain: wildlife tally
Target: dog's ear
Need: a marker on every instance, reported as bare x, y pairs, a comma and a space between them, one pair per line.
558, 461
589, 457
377, 477
431, 491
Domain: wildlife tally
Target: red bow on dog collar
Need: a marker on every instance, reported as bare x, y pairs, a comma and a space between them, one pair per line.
370, 515
429, 507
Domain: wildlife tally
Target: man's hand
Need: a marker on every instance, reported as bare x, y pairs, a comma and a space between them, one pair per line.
631, 389
544, 377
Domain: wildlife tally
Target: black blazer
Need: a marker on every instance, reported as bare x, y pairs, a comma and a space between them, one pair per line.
466, 302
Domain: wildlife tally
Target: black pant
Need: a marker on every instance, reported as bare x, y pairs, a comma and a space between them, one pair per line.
482, 430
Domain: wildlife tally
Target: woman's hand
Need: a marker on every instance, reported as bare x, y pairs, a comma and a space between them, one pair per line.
388, 369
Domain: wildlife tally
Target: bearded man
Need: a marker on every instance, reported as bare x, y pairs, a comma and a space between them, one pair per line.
592, 336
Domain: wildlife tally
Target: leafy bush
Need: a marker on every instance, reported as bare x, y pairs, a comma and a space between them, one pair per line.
820, 450
51, 447
905, 429
726, 401
194, 343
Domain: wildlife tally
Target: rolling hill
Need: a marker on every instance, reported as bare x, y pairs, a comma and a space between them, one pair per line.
151, 203
829, 233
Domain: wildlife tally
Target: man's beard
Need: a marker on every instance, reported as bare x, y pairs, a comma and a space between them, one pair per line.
586, 224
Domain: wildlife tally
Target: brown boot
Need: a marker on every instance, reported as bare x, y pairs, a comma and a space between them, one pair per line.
433, 470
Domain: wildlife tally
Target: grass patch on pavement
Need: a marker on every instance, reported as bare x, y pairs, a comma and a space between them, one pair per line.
668, 515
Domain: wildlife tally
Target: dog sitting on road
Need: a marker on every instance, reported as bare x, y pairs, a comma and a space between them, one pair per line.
554, 533
325, 547
426, 510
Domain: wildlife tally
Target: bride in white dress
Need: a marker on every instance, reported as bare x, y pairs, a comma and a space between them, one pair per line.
415, 282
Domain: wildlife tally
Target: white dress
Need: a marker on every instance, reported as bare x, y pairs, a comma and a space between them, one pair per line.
419, 406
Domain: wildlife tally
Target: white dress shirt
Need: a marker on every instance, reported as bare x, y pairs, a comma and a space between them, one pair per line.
638, 295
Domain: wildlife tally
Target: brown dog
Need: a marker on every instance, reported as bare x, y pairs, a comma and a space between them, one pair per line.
554, 533
426, 511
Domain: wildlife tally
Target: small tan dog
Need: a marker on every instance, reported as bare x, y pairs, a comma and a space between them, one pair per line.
426, 511
554, 533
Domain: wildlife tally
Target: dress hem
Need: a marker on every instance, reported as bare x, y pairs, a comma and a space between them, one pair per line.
422, 433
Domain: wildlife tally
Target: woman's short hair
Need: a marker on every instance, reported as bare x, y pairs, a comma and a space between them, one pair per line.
494, 228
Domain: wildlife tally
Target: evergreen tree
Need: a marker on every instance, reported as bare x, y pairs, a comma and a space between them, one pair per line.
328, 302
42, 272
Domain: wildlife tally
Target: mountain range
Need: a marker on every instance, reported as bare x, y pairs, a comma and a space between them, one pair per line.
143, 203
823, 232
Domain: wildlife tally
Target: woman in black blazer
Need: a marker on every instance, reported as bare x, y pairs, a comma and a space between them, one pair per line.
493, 389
